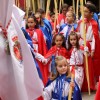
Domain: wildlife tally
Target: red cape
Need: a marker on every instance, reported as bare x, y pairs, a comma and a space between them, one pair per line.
60, 17
62, 51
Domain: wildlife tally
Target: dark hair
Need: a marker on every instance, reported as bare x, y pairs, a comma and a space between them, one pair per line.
41, 23
53, 41
89, 2
77, 38
32, 16
91, 7
52, 13
65, 6
41, 11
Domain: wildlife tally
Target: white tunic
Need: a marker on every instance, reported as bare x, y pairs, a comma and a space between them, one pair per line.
89, 35
76, 60
47, 94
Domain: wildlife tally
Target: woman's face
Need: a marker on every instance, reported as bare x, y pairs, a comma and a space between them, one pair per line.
58, 41
62, 67
31, 23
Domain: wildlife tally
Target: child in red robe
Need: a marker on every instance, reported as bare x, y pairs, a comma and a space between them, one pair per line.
39, 44
62, 16
58, 48
92, 41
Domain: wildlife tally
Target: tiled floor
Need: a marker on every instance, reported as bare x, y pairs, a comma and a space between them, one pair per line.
85, 96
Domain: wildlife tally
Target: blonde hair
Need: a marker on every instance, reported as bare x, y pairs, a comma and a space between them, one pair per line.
57, 59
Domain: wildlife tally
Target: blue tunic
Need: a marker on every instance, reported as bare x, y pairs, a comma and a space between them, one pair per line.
69, 28
47, 36
58, 89
49, 27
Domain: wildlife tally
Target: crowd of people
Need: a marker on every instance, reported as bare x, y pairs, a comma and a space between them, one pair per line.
60, 50
64, 39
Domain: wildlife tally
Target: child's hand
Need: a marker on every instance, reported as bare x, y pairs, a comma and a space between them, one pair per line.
58, 26
72, 84
44, 61
53, 32
86, 49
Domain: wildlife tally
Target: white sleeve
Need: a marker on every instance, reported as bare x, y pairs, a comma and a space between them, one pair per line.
40, 57
47, 93
93, 44
37, 55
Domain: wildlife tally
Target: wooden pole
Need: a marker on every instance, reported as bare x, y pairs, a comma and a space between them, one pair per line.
62, 2
74, 6
59, 6
85, 1
27, 7
77, 10
56, 14
47, 8
18, 3
72, 80
71, 88
38, 1
33, 6
86, 57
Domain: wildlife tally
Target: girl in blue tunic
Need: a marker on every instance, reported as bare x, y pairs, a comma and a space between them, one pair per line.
60, 83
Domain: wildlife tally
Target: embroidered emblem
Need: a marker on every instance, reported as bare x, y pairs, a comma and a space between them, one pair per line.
17, 49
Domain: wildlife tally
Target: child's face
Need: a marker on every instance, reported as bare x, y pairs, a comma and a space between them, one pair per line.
71, 9
62, 67
64, 11
53, 18
43, 15
58, 41
38, 17
69, 17
87, 13
73, 40
31, 23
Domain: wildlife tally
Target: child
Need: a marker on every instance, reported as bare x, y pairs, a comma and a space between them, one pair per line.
76, 58
52, 19
44, 29
62, 16
59, 88
66, 28
58, 47
92, 37
39, 44
46, 22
